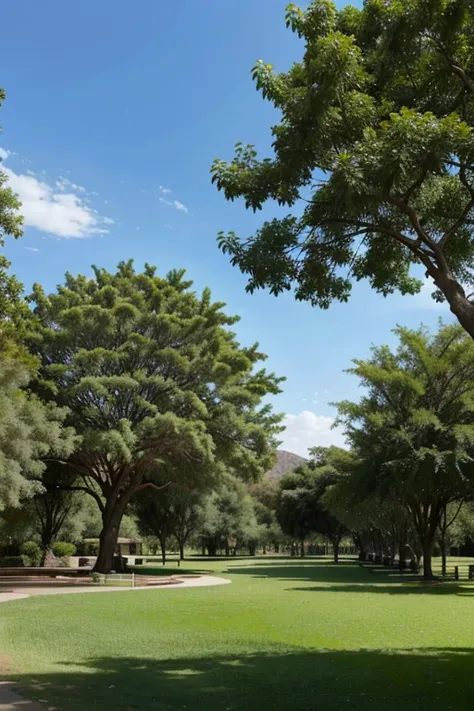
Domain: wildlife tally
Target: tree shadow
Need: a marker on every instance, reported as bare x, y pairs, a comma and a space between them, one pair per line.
296, 680
301, 571
396, 588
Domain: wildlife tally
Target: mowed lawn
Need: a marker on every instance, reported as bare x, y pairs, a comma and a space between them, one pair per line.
286, 635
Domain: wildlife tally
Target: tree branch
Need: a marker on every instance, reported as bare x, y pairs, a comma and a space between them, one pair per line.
91, 492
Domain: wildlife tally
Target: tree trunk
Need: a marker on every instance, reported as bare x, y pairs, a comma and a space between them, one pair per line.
111, 520
181, 550
427, 560
455, 295
443, 556
302, 548
108, 541
212, 550
402, 564
163, 550
335, 549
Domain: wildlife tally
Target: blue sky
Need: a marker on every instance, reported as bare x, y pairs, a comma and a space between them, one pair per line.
114, 113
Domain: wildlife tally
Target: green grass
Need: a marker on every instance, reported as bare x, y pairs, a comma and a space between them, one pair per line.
286, 635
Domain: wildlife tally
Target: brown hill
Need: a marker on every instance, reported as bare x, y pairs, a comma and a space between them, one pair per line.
286, 462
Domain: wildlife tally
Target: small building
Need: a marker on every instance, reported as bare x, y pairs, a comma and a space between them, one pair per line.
125, 546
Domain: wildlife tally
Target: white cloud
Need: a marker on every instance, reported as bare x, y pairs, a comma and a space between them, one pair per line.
176, 204
51, 210
64, 184
3, 154
309, 430
165, 191
108, 221
33, 249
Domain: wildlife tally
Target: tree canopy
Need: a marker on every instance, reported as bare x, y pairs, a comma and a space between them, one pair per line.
374, 153
301, 507
10, 219
413, 432
30, 431
154, 381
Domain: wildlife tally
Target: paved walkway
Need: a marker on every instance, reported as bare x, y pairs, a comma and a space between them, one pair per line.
19, 593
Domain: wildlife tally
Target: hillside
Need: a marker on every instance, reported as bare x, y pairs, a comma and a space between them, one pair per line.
286, 462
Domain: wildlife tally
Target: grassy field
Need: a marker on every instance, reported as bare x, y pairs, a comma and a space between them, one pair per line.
286, 635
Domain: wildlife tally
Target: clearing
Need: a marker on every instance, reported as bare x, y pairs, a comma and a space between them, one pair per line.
286, 635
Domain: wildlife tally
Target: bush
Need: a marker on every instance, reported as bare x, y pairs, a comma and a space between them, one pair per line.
62, 549
12, 561
32, 552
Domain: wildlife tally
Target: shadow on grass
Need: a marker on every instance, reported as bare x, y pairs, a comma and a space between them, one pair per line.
350, 577
317, 572
299, 680
155, 570
414, 588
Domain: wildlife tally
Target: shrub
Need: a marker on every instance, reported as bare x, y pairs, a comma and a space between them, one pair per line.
32, 552
62, 549
12, 561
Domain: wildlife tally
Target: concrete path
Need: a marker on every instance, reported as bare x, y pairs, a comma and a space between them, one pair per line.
11, 701
21, 593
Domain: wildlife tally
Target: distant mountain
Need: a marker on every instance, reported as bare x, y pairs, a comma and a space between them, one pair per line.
286, 462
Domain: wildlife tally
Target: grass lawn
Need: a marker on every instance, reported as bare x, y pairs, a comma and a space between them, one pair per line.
286, 635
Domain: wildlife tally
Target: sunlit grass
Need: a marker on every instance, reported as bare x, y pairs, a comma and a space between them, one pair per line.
287, 634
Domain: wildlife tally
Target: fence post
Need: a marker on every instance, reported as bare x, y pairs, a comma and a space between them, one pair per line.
133, 580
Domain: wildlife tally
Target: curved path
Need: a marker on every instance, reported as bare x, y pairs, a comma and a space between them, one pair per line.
18, 593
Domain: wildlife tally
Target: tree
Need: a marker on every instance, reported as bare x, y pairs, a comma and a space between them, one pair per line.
154, 381
187, 516
156, 516
302, 509
413, 431
169, 511
56, 508
382, 526
297, 505
10, 220
265, 498
228, 517
29, 432
376, 145
452, 529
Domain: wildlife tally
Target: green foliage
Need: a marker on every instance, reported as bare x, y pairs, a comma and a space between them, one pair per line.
413, 431
156, 385
29, 431
374, 153
32, 552
228, 517
10, 220
12, 561
63, 549
301, 507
